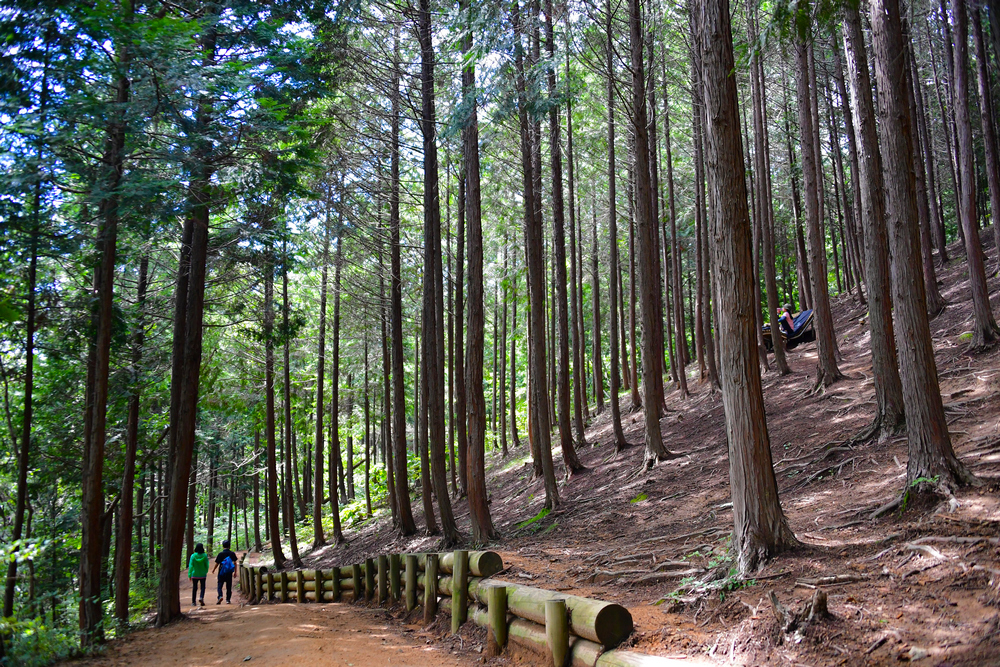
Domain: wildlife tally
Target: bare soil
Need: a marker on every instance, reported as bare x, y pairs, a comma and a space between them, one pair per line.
654, 541
281, 635
920, 585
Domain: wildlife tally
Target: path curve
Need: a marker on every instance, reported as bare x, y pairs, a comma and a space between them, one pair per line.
277, 635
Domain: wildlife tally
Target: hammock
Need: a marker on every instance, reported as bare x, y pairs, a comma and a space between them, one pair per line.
802, 331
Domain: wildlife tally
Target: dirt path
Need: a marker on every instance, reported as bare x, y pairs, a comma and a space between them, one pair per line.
277, 635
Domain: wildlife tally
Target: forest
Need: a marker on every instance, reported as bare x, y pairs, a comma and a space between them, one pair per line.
317, 277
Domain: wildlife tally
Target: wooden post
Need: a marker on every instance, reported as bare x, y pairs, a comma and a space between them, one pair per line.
258, 594
284, 586
356, 580
557, 630
270, 586
430, 588
411, 582
369, 579
459, 590
300, 586
496, 610
394, 583
335, 590
383, 584
318, 586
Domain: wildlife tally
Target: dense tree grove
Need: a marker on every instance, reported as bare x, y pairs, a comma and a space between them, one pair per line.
271, 269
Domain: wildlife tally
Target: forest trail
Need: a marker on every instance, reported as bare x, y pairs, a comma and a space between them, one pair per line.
277, 635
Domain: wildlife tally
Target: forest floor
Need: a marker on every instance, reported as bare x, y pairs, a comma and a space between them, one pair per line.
921, 585
659, 541
279, 635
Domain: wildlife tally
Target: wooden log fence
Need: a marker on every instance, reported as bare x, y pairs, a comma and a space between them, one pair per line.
567, 629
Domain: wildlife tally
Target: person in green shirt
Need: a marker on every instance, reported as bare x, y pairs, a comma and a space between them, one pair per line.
197, 572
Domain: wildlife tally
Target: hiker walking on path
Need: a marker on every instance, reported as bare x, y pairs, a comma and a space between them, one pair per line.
197, 572
225, 563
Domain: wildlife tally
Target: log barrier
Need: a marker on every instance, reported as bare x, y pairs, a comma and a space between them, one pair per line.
567, 629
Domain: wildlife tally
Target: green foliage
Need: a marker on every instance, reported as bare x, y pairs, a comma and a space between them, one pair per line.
639, 498
33, 642
538, 517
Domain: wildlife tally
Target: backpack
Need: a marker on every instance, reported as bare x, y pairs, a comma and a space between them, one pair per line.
227, 567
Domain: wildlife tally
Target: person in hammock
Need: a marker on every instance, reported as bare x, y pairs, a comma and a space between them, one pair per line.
787, 322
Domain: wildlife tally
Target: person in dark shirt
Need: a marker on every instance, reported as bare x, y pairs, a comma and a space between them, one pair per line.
225, 563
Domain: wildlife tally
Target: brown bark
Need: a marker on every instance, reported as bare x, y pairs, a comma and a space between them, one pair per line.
889, 415
948, 126
186, 362
935, 302
319, 539
561, 311
515, 440
929, 445
826, 344
479, 509
338, 535
92, 495
597, 359
618, 437
984, 331
539, 421
761, 529
407, 526
271, 475
433, 321
646, 226
575, 309
123, 545
987, 121
291, 470
765, 199
461, 402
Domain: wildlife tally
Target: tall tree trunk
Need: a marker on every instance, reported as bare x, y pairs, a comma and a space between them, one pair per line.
539, 421
258, 544
597, 359
889, 415
948, 127
123, 546
462, 399
852, 209
675, 247
984, 331
935, 302
513, 359
761, 529
929, 445
291, 468
368, 439
927, 142
826, 343
338, 535
269, 420
23, 459
92, 495
561, 311
501, 418
617, 435
479, 509
575, 301
648, 282
433, 308
765, 196
407, 526
186, 362
987, 121
319, 539
636, 397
